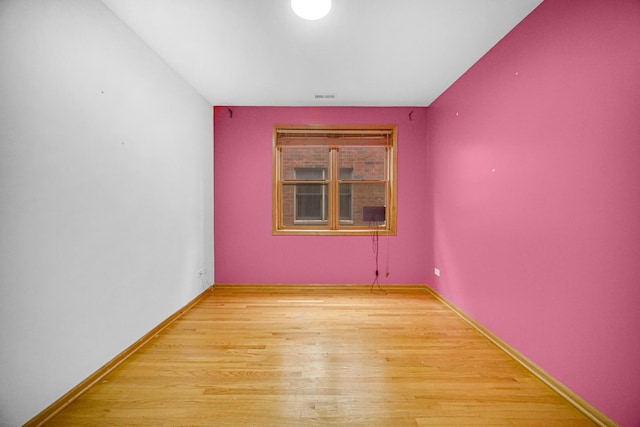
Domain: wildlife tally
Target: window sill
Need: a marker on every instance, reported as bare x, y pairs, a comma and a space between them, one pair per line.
343, 232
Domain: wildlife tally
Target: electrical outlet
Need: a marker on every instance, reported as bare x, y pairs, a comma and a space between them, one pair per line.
436, 271
202, 276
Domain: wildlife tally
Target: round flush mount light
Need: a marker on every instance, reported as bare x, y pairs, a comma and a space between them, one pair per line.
311, 9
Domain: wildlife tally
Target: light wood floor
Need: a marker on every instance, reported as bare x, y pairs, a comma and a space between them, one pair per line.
305, 356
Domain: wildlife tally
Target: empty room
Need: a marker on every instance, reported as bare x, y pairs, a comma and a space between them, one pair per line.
407, 213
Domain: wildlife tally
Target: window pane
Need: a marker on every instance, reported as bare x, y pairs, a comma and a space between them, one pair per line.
297, 160
365, 163
309, 189
345, 173
310, 174
304, 204
346, 208
366, 195
309, 207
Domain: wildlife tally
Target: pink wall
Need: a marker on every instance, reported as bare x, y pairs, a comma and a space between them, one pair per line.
245, 249
534, 159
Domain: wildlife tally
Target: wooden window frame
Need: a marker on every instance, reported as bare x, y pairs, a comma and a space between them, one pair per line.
333, 138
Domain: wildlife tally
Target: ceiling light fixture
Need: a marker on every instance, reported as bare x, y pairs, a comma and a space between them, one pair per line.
311, 9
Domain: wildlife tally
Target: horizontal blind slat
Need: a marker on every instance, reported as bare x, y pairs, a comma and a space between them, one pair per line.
337, 137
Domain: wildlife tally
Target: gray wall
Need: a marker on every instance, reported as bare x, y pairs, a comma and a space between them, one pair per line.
106, 196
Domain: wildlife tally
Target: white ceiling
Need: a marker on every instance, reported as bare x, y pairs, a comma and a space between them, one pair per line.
365, 52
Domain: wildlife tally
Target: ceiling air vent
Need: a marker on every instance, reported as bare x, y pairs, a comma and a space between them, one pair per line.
325, 96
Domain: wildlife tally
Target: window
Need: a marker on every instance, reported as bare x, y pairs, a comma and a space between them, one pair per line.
310, 199
325, 180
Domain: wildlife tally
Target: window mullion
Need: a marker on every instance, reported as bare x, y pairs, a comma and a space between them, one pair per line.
334, 191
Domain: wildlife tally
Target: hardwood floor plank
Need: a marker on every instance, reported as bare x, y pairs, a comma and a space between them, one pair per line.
292, 356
